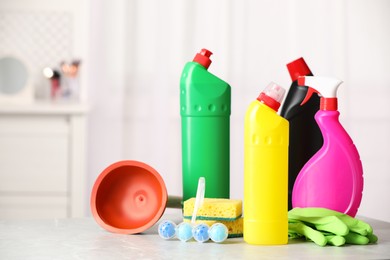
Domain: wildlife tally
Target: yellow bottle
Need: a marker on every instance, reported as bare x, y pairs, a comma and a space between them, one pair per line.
266, 170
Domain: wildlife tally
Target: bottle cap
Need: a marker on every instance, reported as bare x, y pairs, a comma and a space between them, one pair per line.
272, 95
298, 68
203, 58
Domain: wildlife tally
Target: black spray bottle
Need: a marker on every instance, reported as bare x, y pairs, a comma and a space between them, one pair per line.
305, 135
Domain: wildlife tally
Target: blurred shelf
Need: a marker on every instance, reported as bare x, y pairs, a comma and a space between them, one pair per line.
42, 160
45, 107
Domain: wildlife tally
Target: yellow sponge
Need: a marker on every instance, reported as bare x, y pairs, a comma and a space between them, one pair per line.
214, 209
235, 227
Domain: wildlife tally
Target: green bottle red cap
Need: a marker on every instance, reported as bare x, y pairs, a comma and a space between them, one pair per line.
203, 58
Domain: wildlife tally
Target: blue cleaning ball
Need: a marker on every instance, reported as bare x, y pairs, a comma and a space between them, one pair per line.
201, 233
166, 229
218, 232
184, 231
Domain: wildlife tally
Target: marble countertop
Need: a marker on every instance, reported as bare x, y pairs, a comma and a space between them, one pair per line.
83, 239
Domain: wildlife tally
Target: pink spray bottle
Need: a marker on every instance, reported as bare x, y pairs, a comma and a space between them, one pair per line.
333, 177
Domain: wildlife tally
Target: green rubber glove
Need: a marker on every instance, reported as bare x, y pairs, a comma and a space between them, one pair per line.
324, 226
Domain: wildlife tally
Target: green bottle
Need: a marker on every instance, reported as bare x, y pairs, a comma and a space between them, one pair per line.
205, 125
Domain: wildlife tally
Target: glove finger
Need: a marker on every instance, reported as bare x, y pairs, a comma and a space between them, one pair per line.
308, 232
356, 239
359, 230
330, 224
373, 238
363, 226
356, 225
333, 225
335, 240
293, 234
366, 226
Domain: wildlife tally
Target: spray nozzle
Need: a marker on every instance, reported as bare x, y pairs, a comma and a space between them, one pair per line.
203, 58
325, 87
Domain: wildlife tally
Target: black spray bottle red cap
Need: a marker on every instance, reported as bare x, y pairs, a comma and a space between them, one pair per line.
203, 58
298, 68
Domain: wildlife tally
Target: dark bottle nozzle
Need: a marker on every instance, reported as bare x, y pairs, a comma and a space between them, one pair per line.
203, 58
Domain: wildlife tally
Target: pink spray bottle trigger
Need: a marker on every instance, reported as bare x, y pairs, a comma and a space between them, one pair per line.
203, 58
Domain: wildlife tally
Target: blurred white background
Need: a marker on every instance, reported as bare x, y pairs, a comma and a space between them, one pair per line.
133, 53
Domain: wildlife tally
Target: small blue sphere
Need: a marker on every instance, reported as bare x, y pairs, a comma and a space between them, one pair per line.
166, 229
201, 233
218, 232
184, 231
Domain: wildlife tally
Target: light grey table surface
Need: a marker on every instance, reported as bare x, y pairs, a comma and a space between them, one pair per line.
83, 239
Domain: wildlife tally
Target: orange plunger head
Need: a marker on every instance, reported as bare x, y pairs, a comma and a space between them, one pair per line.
128, 197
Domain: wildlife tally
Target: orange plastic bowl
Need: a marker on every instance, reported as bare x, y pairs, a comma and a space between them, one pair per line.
128, 197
